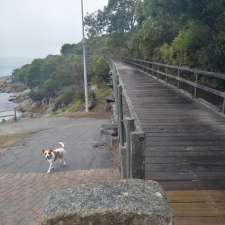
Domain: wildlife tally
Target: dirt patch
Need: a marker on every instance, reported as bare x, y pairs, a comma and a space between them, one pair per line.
93, 115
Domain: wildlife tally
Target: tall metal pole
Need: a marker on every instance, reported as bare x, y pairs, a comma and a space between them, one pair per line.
84, 60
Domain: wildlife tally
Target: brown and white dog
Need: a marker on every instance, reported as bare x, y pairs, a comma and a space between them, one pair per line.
53, 155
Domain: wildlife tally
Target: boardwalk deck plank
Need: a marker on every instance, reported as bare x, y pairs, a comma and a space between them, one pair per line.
185, 148
184, 139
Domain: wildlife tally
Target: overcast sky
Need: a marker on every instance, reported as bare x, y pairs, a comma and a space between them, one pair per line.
36, 28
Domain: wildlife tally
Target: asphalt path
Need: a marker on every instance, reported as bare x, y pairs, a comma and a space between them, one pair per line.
84, 146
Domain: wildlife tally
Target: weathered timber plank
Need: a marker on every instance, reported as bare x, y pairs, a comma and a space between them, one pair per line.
192, 154
187, 138
185, 141
191, 185
194, 134
198, 220
190, 148
163, 176
195, 196
184, 168
198, 209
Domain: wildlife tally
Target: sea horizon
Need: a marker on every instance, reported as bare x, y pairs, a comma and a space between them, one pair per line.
9, 64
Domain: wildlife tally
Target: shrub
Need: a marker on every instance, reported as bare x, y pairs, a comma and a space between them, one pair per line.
165, 53
50, 85
66, 98
38, 94
193, 38
99, 68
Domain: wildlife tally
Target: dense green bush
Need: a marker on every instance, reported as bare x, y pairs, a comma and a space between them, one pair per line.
99, 68
189, 41
186, 32
66, 98
50, 85
165, 54
51, 73
38, 94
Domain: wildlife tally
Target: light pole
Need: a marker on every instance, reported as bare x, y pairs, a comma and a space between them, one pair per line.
84, 60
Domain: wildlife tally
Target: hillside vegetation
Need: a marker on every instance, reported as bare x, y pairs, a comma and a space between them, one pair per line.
183, 32
187, 32
58, 79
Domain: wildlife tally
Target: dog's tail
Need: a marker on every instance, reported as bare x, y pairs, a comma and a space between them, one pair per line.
62, 144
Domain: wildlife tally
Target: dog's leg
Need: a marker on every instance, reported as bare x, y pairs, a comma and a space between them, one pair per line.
50, 167
64, 162
61, 162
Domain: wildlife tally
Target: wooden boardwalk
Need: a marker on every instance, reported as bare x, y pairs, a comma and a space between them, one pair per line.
185, 147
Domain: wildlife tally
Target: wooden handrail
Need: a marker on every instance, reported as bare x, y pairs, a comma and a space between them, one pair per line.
131, 135
183, 68
150, 67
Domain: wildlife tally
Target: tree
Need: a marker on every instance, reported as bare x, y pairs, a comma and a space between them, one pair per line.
51, 86
72, 49
51, 72
95, 24
121, 15
117, 17
99, 68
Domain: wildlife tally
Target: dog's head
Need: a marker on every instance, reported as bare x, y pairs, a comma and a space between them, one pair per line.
48, 153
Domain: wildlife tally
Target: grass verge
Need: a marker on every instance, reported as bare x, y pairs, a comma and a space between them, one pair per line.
98, 112
9, 140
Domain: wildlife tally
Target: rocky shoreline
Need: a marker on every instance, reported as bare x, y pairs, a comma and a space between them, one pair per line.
20, 95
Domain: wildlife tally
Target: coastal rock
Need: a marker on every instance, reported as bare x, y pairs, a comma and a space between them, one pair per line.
133, 202
10, 87
20, 96
25, 106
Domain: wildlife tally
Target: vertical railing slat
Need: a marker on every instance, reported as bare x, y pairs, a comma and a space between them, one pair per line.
138, 154
129, 127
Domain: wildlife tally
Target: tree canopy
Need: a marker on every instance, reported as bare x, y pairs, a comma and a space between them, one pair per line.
184, 32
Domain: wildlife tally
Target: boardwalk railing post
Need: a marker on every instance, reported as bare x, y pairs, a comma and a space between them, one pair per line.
120, 115
178, 78
223, 107
15, 116
157, 69
123, 165
115, 89
122, 147
196, 86
153, 70
129, 127
138, 154
166, 70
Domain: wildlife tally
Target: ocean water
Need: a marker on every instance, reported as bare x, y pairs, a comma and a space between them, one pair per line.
6, 107
8, 64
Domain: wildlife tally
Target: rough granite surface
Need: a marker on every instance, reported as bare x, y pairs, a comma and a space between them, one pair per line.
133, 202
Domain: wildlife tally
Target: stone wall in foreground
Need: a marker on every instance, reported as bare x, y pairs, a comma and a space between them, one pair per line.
125, 202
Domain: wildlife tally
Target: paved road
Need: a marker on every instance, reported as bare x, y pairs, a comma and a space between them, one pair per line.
79, 135
24, 185
23, 196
